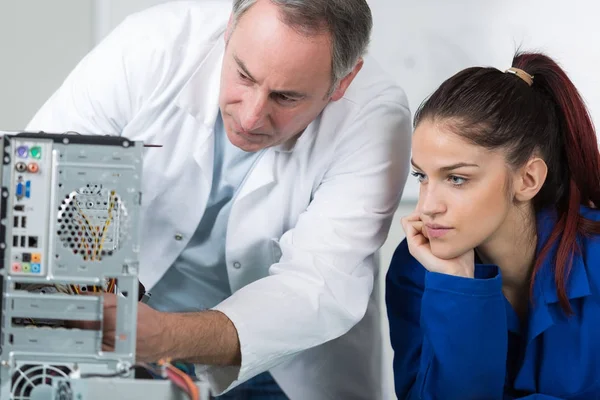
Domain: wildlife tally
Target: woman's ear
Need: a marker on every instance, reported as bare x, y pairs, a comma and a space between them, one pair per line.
530, 179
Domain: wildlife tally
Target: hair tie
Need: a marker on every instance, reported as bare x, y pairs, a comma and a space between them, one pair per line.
521, 74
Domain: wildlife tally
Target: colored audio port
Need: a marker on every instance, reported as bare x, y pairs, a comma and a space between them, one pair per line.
22, 151
16, 267
36, 258
21, 166
33, 167
26, 267
35, 268
36, 152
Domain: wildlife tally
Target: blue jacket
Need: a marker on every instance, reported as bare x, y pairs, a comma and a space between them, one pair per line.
459, 338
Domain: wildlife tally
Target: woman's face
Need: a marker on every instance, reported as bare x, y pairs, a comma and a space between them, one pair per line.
464, 197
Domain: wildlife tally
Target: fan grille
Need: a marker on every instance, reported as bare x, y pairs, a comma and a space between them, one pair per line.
92, 222
30, 380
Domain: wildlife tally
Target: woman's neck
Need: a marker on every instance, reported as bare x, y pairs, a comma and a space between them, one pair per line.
512, 248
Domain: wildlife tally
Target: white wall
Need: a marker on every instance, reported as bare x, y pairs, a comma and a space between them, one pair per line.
420, 43
40, 41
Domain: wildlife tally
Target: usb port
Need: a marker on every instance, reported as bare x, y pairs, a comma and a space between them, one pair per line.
15, 241
23, 222
15, 222
33, 241
23, 241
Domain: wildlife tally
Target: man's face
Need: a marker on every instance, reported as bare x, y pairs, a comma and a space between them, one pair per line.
274, 80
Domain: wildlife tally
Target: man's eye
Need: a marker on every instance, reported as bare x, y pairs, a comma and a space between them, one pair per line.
282, 98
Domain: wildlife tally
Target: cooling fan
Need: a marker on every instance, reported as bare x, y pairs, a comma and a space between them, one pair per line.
34, 381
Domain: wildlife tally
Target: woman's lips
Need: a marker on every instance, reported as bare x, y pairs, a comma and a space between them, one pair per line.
436, 231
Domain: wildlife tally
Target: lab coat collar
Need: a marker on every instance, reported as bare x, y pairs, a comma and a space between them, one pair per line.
200, 95
301, 141
200, 98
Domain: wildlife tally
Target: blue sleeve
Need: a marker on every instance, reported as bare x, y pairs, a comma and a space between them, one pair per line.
449, 334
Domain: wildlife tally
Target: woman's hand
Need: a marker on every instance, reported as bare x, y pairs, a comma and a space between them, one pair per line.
420, 249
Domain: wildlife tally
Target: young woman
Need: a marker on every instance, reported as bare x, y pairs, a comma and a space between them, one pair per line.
495, 293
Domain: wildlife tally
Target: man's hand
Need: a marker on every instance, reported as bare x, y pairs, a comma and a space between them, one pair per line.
206, 337
152, 330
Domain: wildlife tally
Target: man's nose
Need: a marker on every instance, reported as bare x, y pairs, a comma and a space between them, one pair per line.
254, 112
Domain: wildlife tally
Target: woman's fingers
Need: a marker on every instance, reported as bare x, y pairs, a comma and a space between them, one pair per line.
408, 220
414, 236
424, 231
407, 227
414, 216
418, 225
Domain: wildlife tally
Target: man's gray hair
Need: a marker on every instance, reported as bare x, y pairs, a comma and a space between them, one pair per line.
349, 22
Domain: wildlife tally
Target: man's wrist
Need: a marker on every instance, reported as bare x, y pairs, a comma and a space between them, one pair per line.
170, 344
206, 337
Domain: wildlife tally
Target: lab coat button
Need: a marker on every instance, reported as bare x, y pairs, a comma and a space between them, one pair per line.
237, 265
178, 236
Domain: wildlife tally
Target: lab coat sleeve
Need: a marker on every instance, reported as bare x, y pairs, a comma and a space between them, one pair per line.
102, 93
321, 286
449, 334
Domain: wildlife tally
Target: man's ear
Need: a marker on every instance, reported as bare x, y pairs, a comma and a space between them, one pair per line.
346, 81
530, 179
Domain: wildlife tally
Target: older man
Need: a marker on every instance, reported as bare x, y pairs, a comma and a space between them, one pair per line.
284, 156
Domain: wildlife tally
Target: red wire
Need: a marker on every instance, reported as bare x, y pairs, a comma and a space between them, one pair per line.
189, 386
193, 389
180, 382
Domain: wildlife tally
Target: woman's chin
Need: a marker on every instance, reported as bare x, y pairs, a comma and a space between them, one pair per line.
445, 251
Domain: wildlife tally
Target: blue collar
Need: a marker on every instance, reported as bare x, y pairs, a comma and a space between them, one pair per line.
577, 285
544, 308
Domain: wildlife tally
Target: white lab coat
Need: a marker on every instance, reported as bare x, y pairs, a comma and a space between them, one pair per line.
304, 226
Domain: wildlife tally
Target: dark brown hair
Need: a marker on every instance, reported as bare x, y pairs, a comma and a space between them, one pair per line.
498, 110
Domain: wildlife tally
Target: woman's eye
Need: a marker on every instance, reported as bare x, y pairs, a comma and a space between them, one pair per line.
420, 177
457, 180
